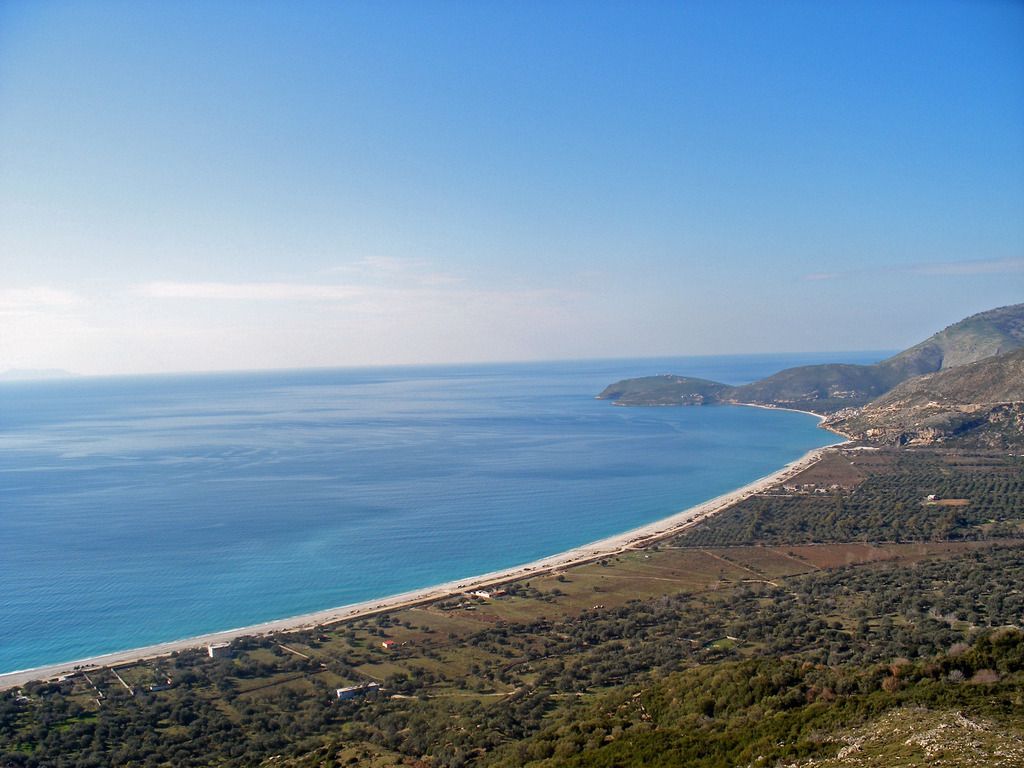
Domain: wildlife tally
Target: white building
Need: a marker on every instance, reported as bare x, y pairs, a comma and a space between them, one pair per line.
355, 691
219, 650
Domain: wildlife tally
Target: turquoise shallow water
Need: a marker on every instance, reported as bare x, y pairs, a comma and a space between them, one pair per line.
135, 510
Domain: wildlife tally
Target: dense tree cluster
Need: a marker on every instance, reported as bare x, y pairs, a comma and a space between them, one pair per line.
972, 502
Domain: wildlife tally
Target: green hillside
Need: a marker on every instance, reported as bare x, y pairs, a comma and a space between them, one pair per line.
666, 390
768, 712
819, 387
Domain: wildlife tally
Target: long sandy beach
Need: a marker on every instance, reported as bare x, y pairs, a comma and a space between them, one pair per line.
633, 539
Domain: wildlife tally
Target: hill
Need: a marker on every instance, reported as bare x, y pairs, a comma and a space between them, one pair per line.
770, 711
832, 387
994, 332
982, 402
666, 390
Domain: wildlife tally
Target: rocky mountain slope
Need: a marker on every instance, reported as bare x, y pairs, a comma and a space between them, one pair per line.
982, 402
914, 736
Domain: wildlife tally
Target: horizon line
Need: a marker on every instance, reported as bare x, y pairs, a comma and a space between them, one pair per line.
55, 374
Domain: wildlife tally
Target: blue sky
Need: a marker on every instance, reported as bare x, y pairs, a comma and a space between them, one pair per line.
219, 185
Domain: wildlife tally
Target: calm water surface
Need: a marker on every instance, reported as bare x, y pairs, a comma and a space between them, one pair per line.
135, 510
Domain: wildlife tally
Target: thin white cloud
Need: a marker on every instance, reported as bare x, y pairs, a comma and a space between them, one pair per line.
37, 297
976, 267
453, 309
43, 327
249, 291
393, 270
391, 264
300, 322
370, 265
938, 268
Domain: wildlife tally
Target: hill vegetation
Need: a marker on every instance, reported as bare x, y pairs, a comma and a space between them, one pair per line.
666, 390
828, 388
763, 712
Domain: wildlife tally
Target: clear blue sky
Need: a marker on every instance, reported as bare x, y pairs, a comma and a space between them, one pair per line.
216, 185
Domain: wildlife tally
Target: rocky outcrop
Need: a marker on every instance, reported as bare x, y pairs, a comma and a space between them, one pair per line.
981, 403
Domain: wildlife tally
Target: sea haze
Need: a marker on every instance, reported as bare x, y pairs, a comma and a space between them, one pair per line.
135, 510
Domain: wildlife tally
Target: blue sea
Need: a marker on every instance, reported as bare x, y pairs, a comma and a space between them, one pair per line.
135, 510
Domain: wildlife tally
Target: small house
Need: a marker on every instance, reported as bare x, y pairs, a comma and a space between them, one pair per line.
357, 691
219, 650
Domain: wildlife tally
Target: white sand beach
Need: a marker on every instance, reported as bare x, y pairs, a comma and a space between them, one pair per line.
629, 540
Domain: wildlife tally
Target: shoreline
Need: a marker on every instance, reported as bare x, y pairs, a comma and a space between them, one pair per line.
633, 539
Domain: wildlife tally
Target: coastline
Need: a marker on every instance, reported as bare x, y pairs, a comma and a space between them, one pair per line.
636, 538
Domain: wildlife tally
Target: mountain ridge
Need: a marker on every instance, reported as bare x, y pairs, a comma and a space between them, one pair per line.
826, 389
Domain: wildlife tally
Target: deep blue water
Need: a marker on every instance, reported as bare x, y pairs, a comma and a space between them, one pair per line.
135, 510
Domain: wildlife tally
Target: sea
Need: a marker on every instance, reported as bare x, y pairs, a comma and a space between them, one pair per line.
142, 509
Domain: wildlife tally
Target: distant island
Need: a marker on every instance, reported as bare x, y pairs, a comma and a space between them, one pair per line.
967, 378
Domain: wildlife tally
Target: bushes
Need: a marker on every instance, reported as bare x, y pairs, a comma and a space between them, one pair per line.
777, 709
